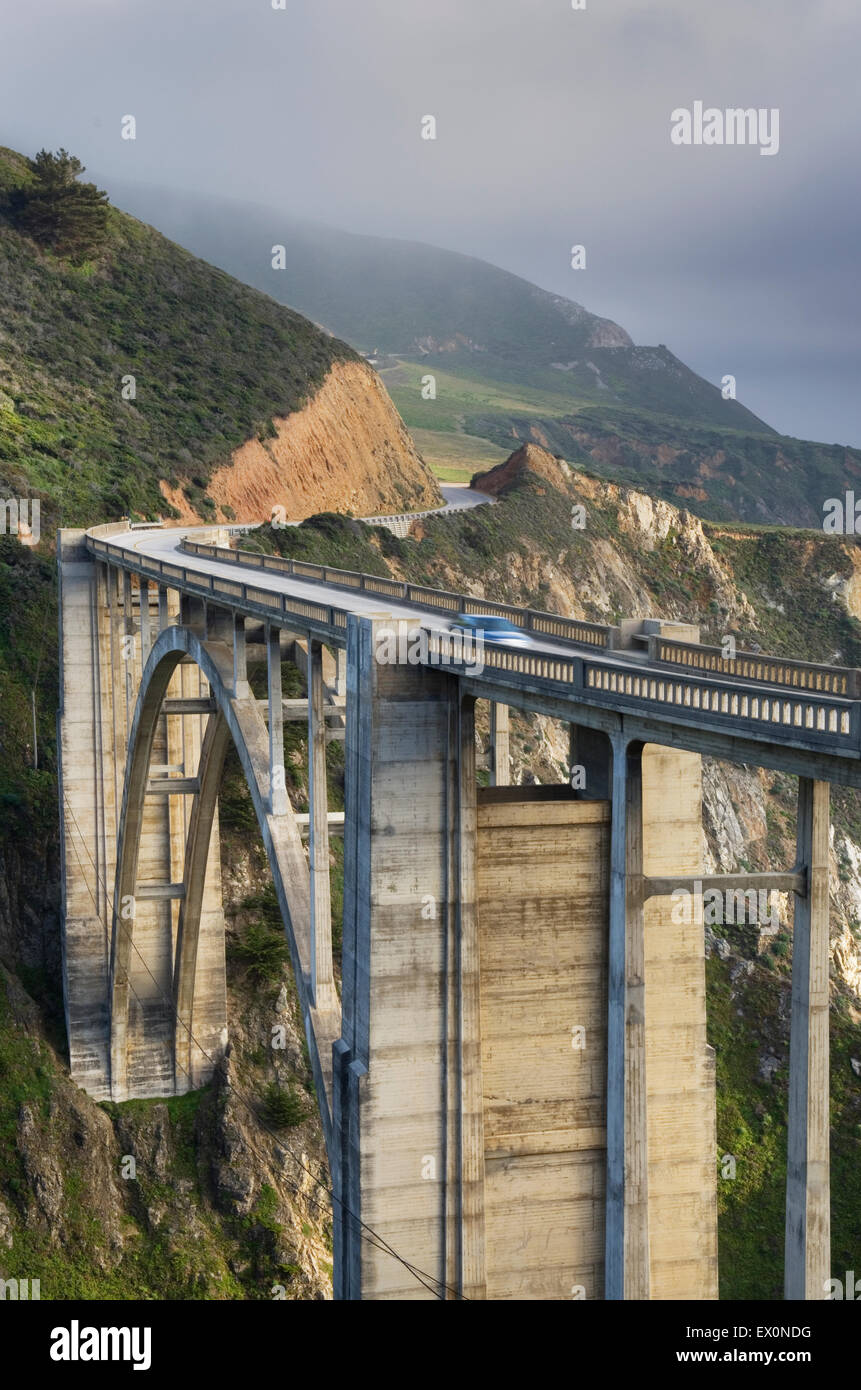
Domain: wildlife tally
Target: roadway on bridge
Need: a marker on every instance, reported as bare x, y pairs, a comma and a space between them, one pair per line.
165, 545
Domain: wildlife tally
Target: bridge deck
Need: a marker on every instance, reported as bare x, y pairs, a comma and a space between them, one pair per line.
756, 700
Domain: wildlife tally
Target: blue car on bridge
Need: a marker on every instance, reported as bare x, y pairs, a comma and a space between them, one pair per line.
489, 628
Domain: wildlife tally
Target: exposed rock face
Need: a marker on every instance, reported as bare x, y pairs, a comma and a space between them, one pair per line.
347, 451
529, 458
748, 813
645, 522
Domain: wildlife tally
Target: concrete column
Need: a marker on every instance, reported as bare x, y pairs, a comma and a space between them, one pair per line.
322, 976
407, 1070
219, 623
590, 749
163, 610
340, 686
680, 1069
128, 649
469, 1275
241, 688
87, 807
627, 1221
500, 769
277, 782
808, 1212
192, 613
146, 629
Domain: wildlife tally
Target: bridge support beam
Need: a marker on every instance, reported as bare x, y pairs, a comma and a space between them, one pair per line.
277, 782
146, 627
500, 768
808, 1197
627, 1220
241, 688
163, 608
322, 974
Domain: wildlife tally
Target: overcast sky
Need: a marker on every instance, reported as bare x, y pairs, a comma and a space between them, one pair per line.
553, 128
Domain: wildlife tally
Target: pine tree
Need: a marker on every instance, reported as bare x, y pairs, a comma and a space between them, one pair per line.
58, 211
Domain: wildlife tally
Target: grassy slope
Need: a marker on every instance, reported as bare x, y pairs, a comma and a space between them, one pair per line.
403, 298
213, 361
709, 465
496, 382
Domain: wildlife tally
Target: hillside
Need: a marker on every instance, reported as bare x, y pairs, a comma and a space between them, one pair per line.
148, 366
405, 299
513, 363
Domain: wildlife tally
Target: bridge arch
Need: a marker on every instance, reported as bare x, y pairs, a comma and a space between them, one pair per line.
237, 719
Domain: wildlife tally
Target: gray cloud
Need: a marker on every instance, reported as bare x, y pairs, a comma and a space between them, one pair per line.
553, 128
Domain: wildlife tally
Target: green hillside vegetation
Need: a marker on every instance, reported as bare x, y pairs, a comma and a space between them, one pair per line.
212, 362
720, 474
423, 303
632, 413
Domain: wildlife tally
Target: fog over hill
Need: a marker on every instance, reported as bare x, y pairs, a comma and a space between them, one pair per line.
423, 302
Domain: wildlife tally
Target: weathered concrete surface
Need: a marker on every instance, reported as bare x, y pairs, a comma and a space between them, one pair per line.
542, 904
409, 1161
808, 1204
88, 802
543, 871
682, 1140
103, 628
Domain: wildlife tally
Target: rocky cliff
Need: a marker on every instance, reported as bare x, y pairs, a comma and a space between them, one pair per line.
347, 450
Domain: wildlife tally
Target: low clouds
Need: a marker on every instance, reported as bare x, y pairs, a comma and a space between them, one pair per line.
553, 128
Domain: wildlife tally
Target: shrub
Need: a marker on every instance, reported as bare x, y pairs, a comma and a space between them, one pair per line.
283, 1108
262, 951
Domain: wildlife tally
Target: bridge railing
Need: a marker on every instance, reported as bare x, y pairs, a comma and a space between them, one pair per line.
824, 721
598, 635
757, 667
263, 602
831, 723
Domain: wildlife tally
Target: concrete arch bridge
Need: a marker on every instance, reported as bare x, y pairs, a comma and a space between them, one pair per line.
514, 1080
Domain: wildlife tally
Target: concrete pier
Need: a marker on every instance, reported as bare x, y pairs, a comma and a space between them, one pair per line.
808, 1204
411, 1148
